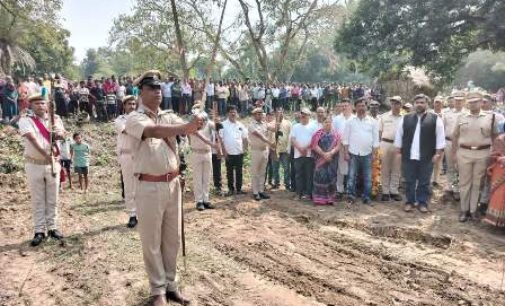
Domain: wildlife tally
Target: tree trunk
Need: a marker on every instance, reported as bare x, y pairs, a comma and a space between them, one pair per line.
210, 66
180, 43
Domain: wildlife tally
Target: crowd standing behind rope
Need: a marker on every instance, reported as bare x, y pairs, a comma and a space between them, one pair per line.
348, 150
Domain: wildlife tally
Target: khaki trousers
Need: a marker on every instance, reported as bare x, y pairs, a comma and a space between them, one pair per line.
452, 171
259, 161
44, 195
437, 167
202, 168
158, 211
126, 162
472, 166
343, 169
390, 168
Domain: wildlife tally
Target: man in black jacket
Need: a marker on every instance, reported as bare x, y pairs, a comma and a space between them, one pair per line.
420, 139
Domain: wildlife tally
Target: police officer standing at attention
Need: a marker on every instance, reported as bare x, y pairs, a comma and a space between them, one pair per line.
158, 192
42, 170
259, 144
125, 158
472, 139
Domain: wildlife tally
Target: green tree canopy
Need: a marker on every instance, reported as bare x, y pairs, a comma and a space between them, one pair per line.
385, 35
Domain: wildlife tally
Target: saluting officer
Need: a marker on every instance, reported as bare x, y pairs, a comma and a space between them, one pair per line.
391, 162
124, 152
472, 146
201, 159
158, 190
42, 171
449, 119
259, 144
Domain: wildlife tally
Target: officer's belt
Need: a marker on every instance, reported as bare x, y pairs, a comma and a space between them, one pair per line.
201, 151
165, 178
484, 147
388, 140
448, 138
259, 149
35, 161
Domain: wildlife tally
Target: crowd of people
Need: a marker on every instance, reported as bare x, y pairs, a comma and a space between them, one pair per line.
101, 98
333, 147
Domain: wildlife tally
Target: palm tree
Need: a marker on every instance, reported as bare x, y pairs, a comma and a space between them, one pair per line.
11, 52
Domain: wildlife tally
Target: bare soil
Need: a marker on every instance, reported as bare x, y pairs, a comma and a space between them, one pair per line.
274, 252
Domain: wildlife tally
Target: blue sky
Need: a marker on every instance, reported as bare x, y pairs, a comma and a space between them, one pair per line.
89, 22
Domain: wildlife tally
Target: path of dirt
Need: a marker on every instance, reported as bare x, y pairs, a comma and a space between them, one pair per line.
245, 253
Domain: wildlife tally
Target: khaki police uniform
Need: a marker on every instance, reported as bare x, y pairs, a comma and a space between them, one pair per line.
43, 186
391, 162
201, 163
158, 203
259, 156
124, 152
449, 119
437, 167
473, 133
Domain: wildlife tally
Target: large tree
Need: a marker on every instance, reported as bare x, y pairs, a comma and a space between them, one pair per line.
387, 35
31, 37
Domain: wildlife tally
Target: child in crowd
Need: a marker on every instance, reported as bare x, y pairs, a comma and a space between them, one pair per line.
66, 158
79, 151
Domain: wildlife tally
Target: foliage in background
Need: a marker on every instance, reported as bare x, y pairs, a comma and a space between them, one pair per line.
32, 39
485, 68
387, 35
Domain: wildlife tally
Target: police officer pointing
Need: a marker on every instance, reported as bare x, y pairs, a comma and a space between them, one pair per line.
158, 191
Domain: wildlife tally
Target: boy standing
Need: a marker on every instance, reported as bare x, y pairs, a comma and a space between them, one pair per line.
65, 157
79, 151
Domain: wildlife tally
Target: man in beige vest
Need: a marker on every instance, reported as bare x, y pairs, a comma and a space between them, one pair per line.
42, 168
391, 162
472, 145
259, 144
449, 119
158, 190
201, 160
124, 152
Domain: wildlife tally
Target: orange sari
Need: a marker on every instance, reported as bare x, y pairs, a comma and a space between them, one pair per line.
496, 211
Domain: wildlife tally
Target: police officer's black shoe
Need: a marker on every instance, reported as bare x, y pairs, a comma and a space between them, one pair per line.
55, 234
176, 297
208, 205
264, 196
385, 198
257, 197
132, 222
37, 239
200, 206
396, 197
463, 216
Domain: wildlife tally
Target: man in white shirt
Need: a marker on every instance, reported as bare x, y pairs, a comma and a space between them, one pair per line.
301, 137
234, 142
361, 140
339, 123
210, 95
166, 92
420, 139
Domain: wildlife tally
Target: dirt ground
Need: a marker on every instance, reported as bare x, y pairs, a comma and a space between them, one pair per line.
246, 253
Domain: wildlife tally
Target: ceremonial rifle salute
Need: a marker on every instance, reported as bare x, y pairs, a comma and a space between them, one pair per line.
43, 171
158, 192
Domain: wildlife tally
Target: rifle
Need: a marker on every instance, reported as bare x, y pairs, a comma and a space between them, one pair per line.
275, 155
52, 141
217, 126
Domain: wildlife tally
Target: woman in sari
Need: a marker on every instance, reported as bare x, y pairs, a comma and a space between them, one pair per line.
496, 210
325, 146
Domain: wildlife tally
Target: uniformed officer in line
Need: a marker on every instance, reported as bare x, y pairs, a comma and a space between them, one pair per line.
201, 144
42, 168
124, 152
438, 105
472, 146
158, 190
259, 144
452, 187
391, 162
